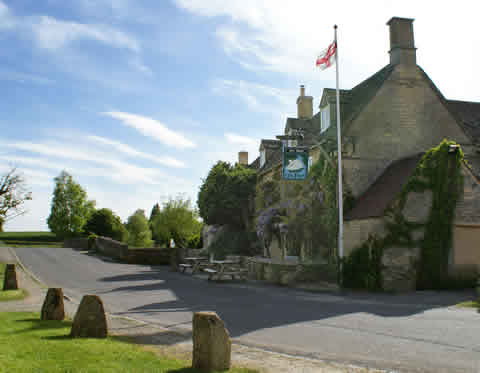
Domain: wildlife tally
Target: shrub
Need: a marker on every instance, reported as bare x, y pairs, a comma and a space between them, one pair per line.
92, 238
233, 242
362, 269
105, 223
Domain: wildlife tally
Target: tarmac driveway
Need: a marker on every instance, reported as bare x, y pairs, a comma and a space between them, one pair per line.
417, 332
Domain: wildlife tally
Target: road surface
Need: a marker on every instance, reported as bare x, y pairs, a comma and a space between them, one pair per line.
417, 332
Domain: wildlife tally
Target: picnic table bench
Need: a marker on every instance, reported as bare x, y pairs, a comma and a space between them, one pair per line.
223, 268
195, 263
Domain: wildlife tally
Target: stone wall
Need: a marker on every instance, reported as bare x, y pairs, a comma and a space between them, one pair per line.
406, 117
111, 248
466, 253
76, 243
355, 232
153, 256
399, 271
468, 207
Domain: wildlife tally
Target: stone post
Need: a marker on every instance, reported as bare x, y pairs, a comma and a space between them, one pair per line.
90, 320
10, 279
211, 343
53, 307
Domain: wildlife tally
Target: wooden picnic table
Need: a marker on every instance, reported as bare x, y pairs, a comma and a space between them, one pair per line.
222, 268
194, 263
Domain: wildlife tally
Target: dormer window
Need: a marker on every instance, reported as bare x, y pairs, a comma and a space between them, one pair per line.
325, 118
262, 158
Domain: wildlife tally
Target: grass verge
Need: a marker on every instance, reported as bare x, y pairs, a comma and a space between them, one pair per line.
29, 239
470, 304
31, 345
9, 295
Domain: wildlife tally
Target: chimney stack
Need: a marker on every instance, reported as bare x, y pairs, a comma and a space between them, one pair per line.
402, 46
304, 105
243, 158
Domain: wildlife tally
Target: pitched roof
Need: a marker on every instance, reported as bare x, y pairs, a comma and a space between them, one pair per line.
468, 115
274, 158
255, 164
360, 95
384, 190
270, 143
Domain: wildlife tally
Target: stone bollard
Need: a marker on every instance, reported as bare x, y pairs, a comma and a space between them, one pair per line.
211, 343
90, 320
53, 308
10, 279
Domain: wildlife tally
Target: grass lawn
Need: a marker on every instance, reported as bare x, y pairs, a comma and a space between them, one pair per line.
31, 345
9, 294
29, 239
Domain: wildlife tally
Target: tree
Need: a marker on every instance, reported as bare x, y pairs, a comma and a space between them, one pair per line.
225, 195
70, 207
177, 220
104, 222
139, 233
155, 212
13, 195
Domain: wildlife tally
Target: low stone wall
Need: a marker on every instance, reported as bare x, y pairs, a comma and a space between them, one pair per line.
76, 243
290, 272
154, 256
111, 248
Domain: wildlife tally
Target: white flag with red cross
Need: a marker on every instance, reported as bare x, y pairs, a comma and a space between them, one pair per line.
327, 57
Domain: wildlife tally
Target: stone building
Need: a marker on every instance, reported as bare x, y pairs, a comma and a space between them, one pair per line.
388, 121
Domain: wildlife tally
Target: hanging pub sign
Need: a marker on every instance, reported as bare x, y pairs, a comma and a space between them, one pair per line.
295, 163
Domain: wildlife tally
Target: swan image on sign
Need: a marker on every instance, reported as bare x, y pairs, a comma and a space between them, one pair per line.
295, 165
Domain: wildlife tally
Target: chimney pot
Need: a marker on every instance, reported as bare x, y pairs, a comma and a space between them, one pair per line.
243, 158
304, 105
402, 45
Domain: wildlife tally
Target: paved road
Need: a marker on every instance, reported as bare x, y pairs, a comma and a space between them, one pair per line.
411, 333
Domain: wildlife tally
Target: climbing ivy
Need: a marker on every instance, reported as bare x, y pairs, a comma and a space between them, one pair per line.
438, 171
442, 173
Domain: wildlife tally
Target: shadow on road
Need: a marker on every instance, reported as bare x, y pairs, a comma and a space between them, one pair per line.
246, 307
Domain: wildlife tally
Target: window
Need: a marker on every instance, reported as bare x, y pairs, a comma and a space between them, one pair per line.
325, 118
262, 157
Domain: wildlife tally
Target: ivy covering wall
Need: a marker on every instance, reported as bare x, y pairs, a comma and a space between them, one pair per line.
438, 172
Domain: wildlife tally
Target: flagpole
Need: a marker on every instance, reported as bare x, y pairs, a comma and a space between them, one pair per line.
339, 154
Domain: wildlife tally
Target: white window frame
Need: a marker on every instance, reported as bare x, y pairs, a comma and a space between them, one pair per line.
324, 118
263, 158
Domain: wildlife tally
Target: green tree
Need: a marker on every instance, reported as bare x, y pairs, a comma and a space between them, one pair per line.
226, 194
155, 212
70, 207
104, 222
177, 220
139, 234
13, 195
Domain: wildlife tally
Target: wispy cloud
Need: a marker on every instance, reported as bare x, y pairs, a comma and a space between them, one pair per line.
51, 33
258, 97
22, 77
115, 169
128, 150
152, 128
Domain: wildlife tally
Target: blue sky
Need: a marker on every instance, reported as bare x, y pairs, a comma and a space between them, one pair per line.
138, 99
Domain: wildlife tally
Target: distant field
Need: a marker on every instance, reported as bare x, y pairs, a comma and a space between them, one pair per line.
29, 239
